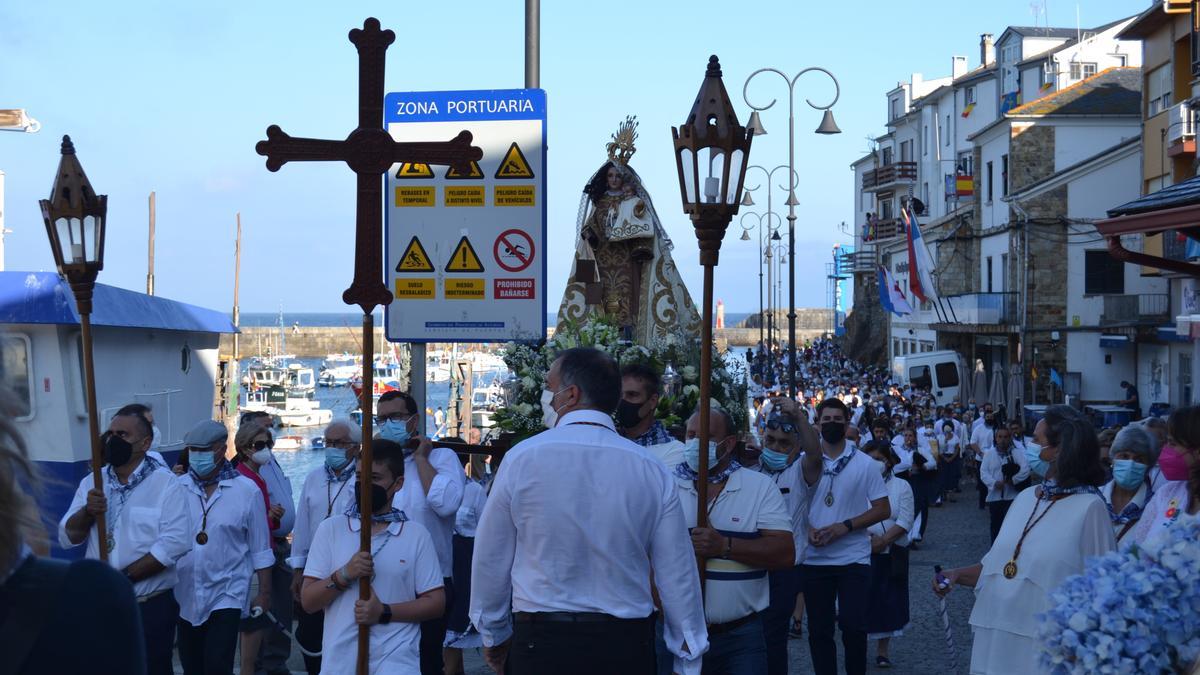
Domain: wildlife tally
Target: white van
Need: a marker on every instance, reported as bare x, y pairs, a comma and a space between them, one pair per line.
936, 371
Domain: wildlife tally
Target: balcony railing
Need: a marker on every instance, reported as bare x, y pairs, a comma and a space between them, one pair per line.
857, 262
1181, 130
883, 230
983, 309
1144, 308
891, 174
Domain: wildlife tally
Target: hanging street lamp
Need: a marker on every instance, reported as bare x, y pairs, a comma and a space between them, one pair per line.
75, 221
711, 153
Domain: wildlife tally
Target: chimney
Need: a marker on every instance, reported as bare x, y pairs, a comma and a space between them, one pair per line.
987, 50
958, 66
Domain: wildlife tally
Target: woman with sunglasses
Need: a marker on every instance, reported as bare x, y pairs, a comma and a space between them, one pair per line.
253, 446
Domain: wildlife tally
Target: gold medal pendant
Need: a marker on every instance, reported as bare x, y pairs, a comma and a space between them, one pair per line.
829, 499
1010, 570
202, 538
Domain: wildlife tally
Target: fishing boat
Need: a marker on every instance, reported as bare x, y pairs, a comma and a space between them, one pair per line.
337, 370
300, 378
385, 376
287, 407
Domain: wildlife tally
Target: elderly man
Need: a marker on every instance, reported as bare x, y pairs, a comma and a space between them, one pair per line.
136, 487
576, 520
431, 496
640, 391
328, 491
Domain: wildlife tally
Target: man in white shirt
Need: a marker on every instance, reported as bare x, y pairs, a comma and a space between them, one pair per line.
749, 532
277, 647
982, 437
218, 540
787, 432
328, 491
1002, 471
640, 387
406, 578
136, 487
431, 496
847, 499
923, 477
577, 520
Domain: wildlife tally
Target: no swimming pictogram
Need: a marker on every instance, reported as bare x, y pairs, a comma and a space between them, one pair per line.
513, 250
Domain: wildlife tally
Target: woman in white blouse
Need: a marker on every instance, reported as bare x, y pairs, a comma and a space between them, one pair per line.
1048, 534
887, 615
1179, 497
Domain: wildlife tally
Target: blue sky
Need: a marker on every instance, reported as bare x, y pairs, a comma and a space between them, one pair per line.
172, 97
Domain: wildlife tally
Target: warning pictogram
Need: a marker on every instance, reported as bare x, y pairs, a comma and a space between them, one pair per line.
514, 164
415, 259
513, 250
464, 258
474, 174
411, 170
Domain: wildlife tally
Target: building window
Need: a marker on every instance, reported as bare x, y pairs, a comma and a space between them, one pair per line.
989, 274
1081, 70
893, 108
966, 163
1004, 273
989, 182
1158, 90
1121, 60
885, 209
887, 156
16, 374
969, 96
906, 151
1004, 175
946, 133
1102, 274
925, 141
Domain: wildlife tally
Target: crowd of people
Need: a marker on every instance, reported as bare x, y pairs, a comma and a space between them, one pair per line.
581, 553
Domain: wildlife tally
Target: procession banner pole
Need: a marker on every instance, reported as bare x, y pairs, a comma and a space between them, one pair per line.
89, 378
364, 478
705, 409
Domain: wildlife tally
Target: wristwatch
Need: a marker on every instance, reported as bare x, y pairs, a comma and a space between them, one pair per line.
386, 615
849, 525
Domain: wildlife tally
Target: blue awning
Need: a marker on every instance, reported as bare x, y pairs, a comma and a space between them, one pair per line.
1115, 341
45, 298
1169, 334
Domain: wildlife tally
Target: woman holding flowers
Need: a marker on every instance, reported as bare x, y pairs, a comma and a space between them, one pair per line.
1049, 532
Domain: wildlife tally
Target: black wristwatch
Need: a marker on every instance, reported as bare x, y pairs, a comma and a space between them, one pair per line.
386, 615
849, 525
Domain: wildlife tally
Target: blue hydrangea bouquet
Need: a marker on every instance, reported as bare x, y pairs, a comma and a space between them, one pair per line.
1135, 611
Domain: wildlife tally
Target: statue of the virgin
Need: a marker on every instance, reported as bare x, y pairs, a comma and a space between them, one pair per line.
623, 267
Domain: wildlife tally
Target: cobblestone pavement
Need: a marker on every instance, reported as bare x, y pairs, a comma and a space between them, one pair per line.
957, 535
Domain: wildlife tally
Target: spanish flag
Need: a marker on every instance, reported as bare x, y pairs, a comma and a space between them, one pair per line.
967, 109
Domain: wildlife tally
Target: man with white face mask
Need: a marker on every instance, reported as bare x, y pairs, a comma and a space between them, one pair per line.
576, 521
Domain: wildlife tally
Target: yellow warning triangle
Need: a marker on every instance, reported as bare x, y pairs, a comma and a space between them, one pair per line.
474, 174
464, 258
415, 259
412, 170
514, 164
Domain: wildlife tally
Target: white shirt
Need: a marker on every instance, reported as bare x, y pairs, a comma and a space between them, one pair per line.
279, 491
406, 565
900, 499
136, 528
216, 575
853, 490
948, 446
320, 498
1172, 498
466, 521
1140, 498
991, 472
670, 454
749, 502
984, 438
795, 495
435, 510
576, 520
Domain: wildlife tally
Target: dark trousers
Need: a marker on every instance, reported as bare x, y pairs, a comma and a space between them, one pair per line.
433, 635
159, 616
948, 476
277, 647
837, 591
583, 648
741, 651
924, 485
310, 636
981, 488
208, 649
777, 618
997, 511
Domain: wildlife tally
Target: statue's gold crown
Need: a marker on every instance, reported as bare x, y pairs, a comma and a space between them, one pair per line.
621, 148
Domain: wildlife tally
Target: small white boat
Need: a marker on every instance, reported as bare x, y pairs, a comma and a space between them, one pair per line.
290, 443
337, 370
300, 378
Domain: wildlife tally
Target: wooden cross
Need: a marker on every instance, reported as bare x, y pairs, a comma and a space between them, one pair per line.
369, 151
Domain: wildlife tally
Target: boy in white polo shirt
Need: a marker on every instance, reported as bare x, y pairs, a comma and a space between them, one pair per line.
849, 497
406, 579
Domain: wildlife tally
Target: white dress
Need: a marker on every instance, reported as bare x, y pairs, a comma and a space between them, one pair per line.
1005, 614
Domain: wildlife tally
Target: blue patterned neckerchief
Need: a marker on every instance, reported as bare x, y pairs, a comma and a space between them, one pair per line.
1132, 510
332, 476
121, 493
655, 435
685, 472
393, 516
226, 472
1051, 490
839, 465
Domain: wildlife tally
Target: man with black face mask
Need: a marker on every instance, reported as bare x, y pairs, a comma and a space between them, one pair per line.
640, 387
406, 577
135, 489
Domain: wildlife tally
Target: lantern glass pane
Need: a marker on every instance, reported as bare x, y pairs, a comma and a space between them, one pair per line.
79, 245
737, 159
91, 225
713, 188
63, 226
687, 162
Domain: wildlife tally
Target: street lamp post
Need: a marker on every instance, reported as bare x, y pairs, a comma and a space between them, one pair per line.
827, 126
756, 127
75, 220
762, 319
711, 190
